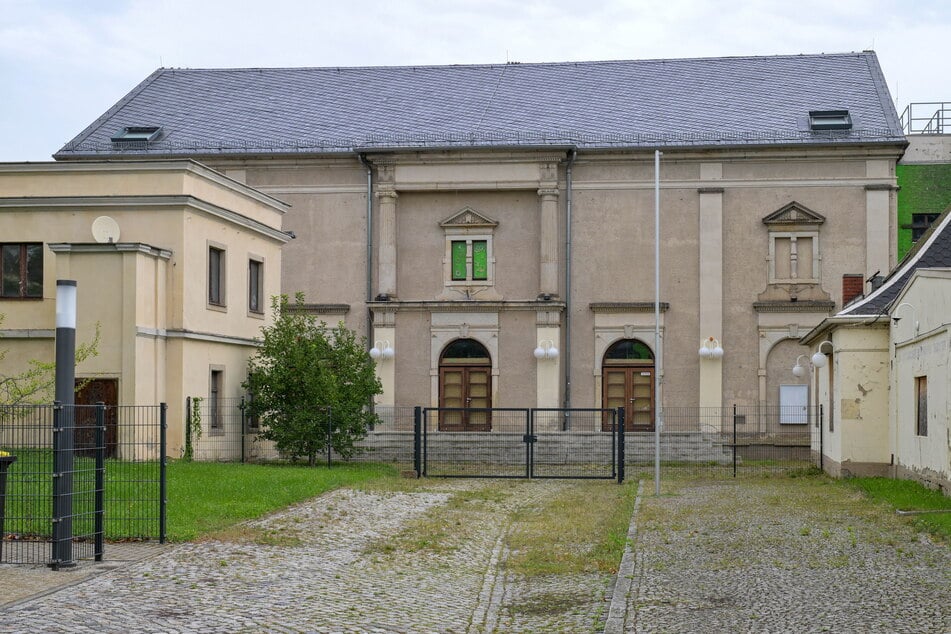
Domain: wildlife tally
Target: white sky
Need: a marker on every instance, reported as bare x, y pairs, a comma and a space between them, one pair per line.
65, 62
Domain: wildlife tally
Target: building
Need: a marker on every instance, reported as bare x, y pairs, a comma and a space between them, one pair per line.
885, 388
924, 172
465, 217
174, 263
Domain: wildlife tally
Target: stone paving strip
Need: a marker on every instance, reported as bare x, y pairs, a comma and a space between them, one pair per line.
783, 556
429, 559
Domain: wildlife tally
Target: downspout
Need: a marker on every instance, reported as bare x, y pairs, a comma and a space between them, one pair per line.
567, 398
363, 161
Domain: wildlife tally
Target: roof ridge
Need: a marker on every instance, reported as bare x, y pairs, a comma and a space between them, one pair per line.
652, 60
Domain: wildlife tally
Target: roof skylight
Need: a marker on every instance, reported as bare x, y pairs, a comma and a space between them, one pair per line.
142, 134
830, 120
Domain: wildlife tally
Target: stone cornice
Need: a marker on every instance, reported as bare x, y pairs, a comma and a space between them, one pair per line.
794, 307
473, 306
627, 307
117, 247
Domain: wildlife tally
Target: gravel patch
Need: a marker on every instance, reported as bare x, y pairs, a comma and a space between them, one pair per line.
763, 556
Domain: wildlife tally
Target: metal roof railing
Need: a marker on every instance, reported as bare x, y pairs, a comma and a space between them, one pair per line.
927, 118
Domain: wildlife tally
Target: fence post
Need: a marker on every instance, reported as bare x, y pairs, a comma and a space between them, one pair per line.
163, 464
244, 428
620, 444
62, 547
821, 438
734, 440
187, 451
330, 435
417, 440
100, 477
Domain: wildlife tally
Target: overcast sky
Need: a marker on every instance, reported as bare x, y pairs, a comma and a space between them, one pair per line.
65, 62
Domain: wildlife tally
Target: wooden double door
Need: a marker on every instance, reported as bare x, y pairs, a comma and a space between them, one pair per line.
630, 387
465, 387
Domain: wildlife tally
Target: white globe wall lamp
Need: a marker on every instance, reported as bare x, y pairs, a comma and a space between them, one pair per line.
382, 350
710, 348
546, 350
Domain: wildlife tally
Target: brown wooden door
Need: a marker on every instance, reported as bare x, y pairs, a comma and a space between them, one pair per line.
465, 387
92, 392
632, 388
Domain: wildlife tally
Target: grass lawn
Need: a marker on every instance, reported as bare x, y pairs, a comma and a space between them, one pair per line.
204, 497
906, 495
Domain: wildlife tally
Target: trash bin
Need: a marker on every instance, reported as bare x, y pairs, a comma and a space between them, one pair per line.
5, 462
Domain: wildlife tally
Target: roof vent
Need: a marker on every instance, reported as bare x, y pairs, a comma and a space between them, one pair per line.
137, 134
830, 120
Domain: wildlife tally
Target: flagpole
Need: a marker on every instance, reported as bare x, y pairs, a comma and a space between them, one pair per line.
658, 417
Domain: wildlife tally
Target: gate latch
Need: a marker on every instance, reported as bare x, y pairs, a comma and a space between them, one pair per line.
529, 438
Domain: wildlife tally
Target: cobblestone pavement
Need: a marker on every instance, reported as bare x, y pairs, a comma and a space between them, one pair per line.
765, 556
348, 561
755, 556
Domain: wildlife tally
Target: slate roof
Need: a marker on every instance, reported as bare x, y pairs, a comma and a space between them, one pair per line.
933, 250
714, 102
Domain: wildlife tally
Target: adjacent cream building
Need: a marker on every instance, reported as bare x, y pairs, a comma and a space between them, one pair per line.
493, 225
174, 263
884, 390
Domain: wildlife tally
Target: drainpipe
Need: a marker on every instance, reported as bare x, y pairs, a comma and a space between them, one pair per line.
363, 161
571, 159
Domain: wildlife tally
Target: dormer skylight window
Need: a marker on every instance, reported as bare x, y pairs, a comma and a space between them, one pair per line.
830, 120
141, 134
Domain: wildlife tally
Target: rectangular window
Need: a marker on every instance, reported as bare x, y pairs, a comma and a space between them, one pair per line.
255, 286
459, 268
921, 405
480, 260
214, 399
21, 270
216, 276
920, 224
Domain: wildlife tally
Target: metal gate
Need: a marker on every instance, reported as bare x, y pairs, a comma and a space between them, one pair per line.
519, 443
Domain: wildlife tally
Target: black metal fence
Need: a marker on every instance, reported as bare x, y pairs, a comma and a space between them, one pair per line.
75, 476
508, 442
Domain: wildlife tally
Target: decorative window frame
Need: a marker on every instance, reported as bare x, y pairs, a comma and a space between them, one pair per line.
470, 226
793, 222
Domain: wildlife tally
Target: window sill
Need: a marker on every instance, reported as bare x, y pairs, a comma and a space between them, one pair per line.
221, 308
255, 314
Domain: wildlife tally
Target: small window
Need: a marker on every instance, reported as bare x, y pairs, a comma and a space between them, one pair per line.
921, 405
469, 260
216, 276
255, 286
830, 120
920, 223
21, 270
139, 134
214, 400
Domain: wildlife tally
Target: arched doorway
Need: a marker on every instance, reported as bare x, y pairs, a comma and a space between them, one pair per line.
465, 381
627, 379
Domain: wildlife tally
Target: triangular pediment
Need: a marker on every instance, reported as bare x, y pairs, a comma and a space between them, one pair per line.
468, 217
794, 214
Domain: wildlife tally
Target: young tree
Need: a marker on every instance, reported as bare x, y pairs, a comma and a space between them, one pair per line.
305, 372
35, 384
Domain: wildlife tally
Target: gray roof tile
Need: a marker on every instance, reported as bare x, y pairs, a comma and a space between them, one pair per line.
933, 250
681, 102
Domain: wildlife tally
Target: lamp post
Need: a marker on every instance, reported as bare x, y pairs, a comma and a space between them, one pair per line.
64, 416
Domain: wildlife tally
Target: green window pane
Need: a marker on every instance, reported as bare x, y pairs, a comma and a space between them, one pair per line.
480, 258
458, 260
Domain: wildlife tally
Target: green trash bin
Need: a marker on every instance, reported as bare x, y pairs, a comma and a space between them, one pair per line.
5, 462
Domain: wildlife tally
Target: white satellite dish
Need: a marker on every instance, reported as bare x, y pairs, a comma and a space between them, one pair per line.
105, 230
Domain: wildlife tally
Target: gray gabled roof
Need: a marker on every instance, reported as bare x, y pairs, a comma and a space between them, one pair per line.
933, 250
729, 101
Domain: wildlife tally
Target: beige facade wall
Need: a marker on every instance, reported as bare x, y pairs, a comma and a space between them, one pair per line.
711, 288
148, 291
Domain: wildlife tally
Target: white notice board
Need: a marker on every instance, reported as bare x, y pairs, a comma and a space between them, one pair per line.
793, 404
